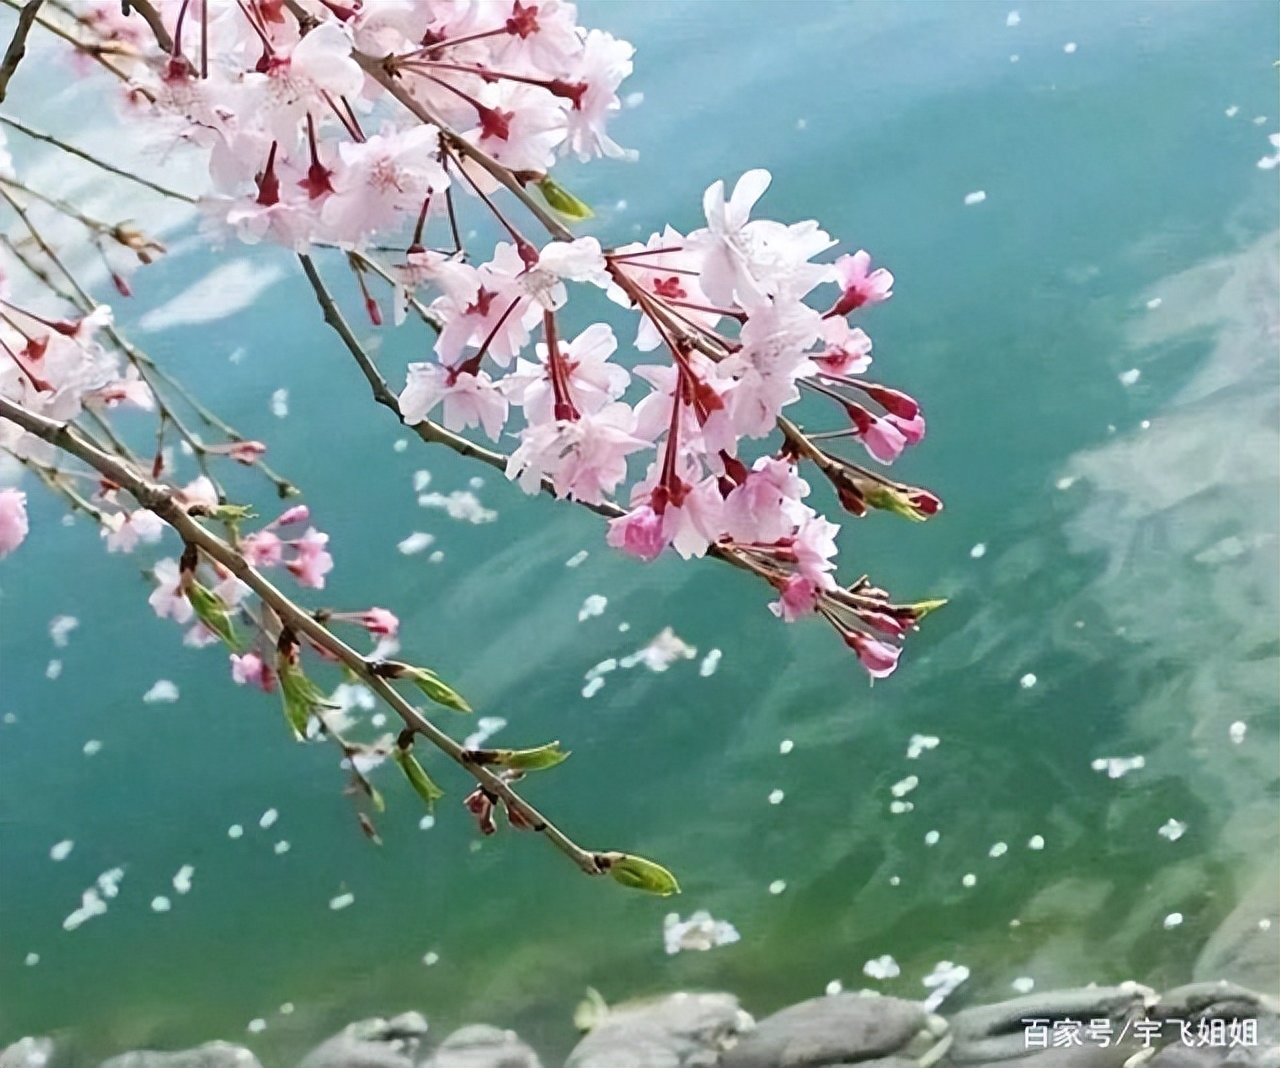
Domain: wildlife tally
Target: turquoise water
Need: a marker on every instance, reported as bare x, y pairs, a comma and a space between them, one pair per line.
1129, 566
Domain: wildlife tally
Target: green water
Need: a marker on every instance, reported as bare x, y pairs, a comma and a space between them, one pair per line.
1142, 596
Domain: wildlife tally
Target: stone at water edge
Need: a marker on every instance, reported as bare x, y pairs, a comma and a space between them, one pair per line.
846, 1028
28, 1053
677, 1031
375, 1043
481, 1046
210, 1055
994, 1033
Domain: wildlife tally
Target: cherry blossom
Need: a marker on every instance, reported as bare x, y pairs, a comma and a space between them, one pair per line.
168, 599
13, 519
859, 285
122, 532
312, 561
469, 399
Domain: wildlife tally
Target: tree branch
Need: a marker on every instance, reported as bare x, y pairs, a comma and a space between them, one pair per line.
162, 501
18, 45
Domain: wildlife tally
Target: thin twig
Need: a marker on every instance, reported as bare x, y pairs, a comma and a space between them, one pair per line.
101, 164
152, 18
18, 45
162, 501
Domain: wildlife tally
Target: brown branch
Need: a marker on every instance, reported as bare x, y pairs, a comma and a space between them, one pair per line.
152, 18
162, 500
18, 45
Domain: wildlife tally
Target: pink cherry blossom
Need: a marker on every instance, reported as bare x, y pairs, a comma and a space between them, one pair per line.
312, 561
846, 349
604, 64
379, 622
588, 379
123, 532
726, 270
638, 533
882, 437
519, 126
469, 399
250, 669
262, 548
388, 175
766, 507
814, 546
168, 599
13, 520
200, 494
799, 597
879, 658
911, 429
584, 458
859, 285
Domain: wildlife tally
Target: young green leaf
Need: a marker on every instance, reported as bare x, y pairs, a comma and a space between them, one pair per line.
418, 778
210, 610
429, 683
302, 697
544, 756
563, 202
640, 874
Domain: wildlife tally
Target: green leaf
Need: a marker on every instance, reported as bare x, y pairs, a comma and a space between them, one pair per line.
544, 756
232, 513
563, 202
640, 874
429, 683
418, 778
922, 608
302, 697
213, 614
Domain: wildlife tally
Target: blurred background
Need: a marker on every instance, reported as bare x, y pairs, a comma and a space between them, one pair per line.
1094, 342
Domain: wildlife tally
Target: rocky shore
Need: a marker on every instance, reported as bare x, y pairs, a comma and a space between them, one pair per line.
1202, 1025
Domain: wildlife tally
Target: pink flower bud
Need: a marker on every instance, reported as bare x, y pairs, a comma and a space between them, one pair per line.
246, 452
879, 658
379, 622
299, 513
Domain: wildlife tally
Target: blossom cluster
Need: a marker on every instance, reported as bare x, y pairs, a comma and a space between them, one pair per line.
345, 123
746, 316
289, 101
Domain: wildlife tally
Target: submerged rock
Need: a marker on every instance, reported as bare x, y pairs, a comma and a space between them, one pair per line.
27, 1053
843, 1029
375, 1043
677, 1031
481, 1046
210, 1055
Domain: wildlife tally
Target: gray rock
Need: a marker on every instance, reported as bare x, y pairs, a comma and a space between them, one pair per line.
210, 1055
375, 1043
27, 1053
676, 1031
481, 1046
997, 1033
830, 1031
